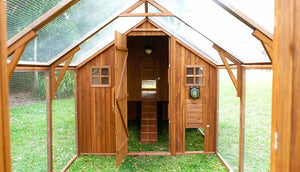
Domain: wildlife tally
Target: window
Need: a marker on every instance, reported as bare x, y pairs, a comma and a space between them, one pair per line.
148, 88
194, 75
100, 76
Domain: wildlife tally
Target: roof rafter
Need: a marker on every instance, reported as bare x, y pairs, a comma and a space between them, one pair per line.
243, 18
266, 42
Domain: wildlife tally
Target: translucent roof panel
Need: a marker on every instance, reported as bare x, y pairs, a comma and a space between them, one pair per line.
189, 36
104, 37
220, 27
152, 9
262, 14
73, 24
20, 13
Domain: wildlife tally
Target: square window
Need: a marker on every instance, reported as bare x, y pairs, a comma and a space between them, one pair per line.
100, 76
190, 71
194, 75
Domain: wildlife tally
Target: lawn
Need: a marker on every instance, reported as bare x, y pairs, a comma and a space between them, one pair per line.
29, 135
257, 125
149, 163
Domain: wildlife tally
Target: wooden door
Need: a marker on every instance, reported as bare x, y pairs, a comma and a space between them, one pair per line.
121, 55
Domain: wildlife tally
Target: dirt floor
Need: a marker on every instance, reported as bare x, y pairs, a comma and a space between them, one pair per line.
22, 99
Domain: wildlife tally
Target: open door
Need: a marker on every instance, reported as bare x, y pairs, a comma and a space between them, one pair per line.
121, 55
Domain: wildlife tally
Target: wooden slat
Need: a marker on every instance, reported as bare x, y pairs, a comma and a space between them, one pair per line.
76, 109
242, 120
232, 77
229, 56
158, 6
67, 55
285, 139
15, 59
21, 42
43, 20
5, 153
266, 66
262, 37
147, 15
49, 121
69, 163
62, 72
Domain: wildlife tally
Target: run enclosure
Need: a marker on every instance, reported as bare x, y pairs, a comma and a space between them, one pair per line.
286, 72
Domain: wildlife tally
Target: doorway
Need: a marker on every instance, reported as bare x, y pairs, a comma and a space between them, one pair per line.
148, 93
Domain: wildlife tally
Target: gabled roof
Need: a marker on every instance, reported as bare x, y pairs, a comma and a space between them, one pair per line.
90, 24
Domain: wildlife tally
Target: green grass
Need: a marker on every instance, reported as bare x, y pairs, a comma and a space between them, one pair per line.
134, 138
29, 135
149, 163
257, 125
194, 140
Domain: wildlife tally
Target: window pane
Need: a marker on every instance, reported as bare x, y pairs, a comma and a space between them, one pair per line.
149, 84
190, 71
199, 71
96, 81
190, 80
104, 80
104, 71
199, 80
95, 71
149, 94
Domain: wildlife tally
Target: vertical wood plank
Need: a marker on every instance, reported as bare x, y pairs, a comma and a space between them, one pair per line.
5, 157
49, 121
76, 109
242, 119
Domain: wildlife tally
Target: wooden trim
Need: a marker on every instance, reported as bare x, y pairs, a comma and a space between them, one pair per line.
134, 6
21, 42
99, 154
100, 76
161, 8
146, 30
76, 80
26, 68
248, 66
43, 20
229, 56
69, 163
95, 55
5, 154
14, 61
242, 120
146, 15
195, 52
224, 162
49, 121
66, 56
243, 18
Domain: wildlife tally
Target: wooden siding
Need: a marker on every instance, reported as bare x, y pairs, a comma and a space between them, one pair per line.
182, 105
96, 120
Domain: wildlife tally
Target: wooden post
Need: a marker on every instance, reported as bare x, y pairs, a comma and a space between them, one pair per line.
242, 118
49, 122
76, 108
5, 158
285, 138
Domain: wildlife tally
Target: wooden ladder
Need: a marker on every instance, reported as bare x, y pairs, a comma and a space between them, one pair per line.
149, 122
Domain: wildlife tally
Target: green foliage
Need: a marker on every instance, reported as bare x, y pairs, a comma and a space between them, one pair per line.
65, 89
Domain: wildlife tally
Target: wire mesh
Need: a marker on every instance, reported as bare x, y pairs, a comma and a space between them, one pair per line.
28, 121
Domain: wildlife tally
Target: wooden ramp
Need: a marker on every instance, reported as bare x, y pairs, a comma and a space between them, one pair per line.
149, 122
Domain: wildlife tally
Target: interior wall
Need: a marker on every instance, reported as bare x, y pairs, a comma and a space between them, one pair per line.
96, 120
136, 53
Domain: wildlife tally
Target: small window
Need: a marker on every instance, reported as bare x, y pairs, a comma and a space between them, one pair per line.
194, 75
100, 76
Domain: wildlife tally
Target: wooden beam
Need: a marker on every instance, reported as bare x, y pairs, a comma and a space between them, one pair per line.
265, 66
26, 68
243, 18
21, 42
49, 121
15, 59
76, 110
68, 58
161, 8
5, 154
266, 42
146, 15
285, 137
146, 7
228, 55
43, 20
242, 119
134, 6
69, 163
232, 77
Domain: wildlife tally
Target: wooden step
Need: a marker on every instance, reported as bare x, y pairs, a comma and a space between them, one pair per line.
149, 122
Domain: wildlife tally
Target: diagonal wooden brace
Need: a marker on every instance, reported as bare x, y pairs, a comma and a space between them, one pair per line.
266, 42
55, 83
235, 80
17, 50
